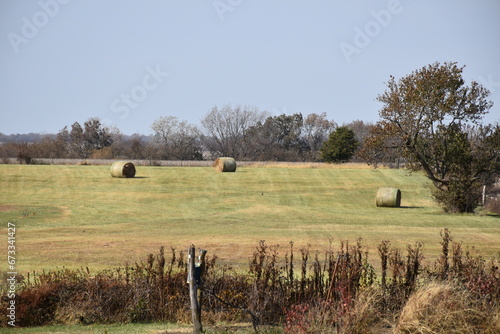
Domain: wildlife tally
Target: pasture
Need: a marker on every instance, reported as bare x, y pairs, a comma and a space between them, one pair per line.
79, 216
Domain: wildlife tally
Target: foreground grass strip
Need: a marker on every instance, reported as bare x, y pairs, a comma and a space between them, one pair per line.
316, 292
155, 328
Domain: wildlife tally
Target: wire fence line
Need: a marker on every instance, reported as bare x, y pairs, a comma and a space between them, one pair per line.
167, 163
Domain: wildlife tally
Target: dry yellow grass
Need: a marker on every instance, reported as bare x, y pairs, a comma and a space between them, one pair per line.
445, 308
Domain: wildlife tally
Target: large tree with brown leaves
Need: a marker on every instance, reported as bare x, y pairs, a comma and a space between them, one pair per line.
433, 120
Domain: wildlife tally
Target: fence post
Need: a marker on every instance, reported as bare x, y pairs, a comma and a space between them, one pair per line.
484, 194
195, 273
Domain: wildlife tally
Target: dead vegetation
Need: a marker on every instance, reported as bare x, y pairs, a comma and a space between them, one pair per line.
301, 291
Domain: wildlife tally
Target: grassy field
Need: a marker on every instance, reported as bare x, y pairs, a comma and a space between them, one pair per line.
78, 216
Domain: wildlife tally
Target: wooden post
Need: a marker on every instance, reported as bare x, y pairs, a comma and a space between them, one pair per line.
200, 267
484, 194
195, 280
193, 292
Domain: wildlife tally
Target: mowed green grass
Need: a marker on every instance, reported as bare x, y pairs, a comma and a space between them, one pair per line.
79, 216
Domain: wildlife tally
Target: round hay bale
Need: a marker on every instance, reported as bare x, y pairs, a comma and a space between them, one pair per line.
388, 197
225, 164
122, 169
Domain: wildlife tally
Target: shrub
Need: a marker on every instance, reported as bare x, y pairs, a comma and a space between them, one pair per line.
37, 306
340, 146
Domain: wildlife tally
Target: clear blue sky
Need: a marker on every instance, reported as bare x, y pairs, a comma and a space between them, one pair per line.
130, 62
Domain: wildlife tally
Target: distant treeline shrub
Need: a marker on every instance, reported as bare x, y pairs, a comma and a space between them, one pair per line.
241, 132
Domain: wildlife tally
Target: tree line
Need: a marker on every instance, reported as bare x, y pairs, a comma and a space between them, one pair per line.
242, 132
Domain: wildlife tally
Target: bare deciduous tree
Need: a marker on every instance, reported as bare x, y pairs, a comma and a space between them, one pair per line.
179, 140
315, 132
278, 138
226, 130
